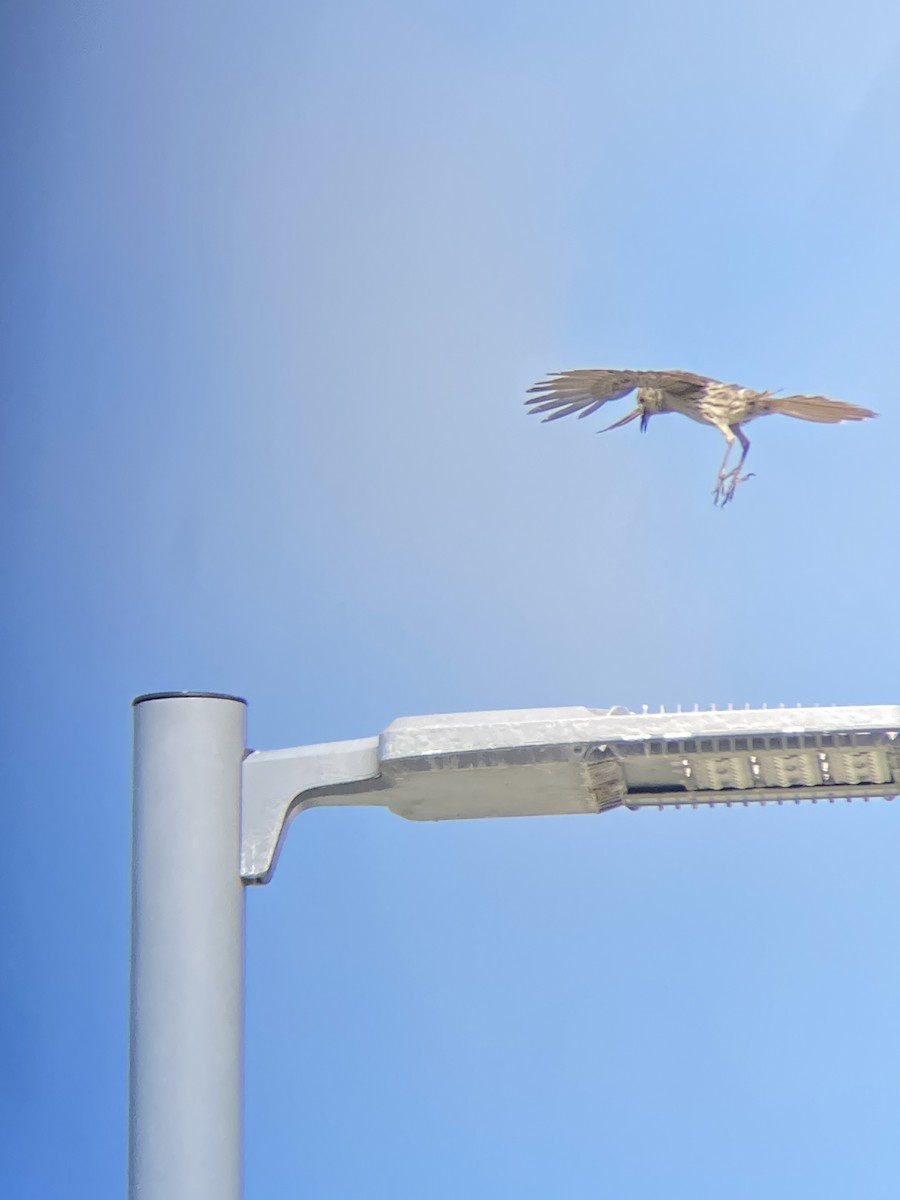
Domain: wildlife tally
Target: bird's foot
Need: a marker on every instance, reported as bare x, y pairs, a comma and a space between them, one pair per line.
726, 485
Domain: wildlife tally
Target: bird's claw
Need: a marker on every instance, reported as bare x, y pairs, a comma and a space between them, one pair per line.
726, 485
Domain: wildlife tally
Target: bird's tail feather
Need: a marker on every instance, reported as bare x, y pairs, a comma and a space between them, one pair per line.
819, 408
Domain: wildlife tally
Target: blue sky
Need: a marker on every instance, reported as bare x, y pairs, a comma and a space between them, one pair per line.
277, 279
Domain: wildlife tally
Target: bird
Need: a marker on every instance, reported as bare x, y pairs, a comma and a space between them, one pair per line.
727, 406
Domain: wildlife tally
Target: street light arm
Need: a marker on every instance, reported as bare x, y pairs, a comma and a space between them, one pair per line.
532, 762
278, 784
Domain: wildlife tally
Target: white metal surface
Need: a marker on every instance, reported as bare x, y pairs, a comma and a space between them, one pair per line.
573, 760
186, 1094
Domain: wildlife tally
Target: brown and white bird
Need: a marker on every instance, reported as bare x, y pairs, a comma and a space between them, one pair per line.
724, 405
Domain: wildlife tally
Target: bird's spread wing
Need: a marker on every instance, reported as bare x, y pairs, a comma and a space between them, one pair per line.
584, 391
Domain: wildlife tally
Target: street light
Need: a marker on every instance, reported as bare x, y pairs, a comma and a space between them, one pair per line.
209, 816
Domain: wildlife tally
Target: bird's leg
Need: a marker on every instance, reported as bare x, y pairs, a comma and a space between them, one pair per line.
728, 482
719, 492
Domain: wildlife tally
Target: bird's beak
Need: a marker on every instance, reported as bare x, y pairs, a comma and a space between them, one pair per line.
624, 421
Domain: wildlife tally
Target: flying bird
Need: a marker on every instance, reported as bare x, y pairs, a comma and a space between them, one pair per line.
724, 405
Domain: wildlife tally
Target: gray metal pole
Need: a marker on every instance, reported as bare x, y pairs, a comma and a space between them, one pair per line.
186, 1082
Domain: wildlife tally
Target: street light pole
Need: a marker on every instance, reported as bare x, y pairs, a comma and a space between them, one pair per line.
210, 817
186, 1078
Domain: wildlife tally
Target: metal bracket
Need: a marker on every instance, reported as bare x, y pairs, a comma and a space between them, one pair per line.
277, 784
